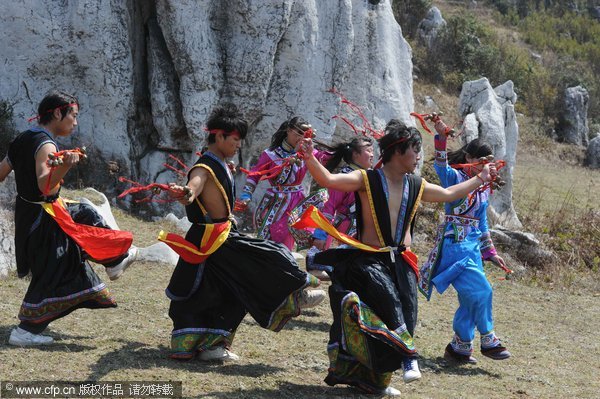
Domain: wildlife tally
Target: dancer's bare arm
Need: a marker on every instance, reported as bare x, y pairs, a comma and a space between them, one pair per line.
5, 169
346, 182
435, 193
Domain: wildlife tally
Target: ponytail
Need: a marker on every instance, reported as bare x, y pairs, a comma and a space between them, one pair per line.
476, 148
344, 151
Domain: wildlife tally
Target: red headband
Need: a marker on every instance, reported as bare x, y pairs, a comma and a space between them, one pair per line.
403, 139
387, 147
51, 110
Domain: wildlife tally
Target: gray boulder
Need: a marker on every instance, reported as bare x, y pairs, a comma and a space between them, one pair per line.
592, 154
7, 226
429, 27
522, 246
573, 126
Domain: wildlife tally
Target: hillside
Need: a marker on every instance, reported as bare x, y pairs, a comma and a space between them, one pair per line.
554, 195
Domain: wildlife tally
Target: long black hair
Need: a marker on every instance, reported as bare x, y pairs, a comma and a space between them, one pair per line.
346, 150
296, 122
55, 100
476, 148
398, 136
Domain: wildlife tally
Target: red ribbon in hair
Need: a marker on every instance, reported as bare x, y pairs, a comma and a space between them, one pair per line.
50, 110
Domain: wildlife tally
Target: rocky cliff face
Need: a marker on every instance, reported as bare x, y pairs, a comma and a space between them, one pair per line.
148, 73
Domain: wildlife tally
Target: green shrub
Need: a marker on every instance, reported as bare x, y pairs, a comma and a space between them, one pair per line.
409, 13
570, 46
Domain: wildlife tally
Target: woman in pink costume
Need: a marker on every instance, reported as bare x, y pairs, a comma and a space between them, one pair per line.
286, 192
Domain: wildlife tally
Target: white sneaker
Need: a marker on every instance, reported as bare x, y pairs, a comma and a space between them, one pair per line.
20, 337
411, 370
390, 391
320, 274
218, 353
116, 271
311, 298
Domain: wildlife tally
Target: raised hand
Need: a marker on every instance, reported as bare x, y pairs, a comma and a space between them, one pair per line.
488, 173
183, 194
305, 147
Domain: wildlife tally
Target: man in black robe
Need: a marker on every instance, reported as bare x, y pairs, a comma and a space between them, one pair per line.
373, 295
222, 275
61, 278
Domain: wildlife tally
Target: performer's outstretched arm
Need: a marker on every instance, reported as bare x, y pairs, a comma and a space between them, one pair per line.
346, 182
195, 184
435, 193
5, 169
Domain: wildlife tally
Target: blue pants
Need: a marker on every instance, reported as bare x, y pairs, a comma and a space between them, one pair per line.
461, 266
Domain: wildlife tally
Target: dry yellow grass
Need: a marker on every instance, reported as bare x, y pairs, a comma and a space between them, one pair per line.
552, 337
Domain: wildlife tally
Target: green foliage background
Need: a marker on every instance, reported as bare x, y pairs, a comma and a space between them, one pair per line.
560, 48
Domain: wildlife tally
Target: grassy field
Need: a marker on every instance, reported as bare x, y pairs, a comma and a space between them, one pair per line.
551, 333
552, 336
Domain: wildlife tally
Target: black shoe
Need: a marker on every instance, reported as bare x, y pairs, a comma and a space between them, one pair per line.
451, 355
497, 353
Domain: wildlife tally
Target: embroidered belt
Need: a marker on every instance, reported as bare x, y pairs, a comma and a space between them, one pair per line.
461, 225
286, 189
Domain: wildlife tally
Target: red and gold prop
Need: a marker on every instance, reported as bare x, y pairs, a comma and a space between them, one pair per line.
154, 190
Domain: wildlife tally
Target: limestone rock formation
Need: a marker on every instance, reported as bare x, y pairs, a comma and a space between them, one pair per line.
7, 226
573, 125
147, 73
523, 246
430, 26
490, 115
592, 154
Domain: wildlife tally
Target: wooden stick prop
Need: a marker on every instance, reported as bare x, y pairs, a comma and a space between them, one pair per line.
435, 118
268, 171
496, 183
55, 159
505, 270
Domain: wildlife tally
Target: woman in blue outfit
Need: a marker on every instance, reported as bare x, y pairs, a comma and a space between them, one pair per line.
463, 241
